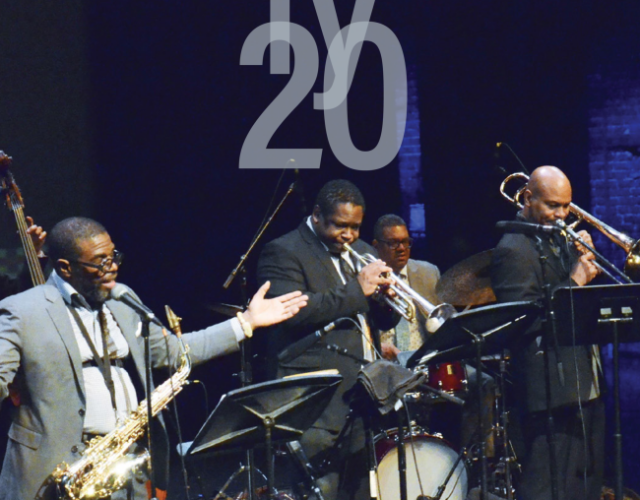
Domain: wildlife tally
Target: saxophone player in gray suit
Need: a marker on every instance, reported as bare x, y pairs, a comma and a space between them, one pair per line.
50, 337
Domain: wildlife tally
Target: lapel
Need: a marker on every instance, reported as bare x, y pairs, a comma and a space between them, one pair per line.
415, 278
129, 323
57, 311
554, 260
319, 253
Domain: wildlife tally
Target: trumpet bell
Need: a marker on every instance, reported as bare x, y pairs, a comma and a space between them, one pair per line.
438, 316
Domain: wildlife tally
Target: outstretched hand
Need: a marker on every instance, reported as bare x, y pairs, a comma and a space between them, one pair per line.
38, 235
266, 312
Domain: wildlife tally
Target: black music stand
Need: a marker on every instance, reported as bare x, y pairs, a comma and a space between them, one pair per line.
276, 411
481, 331
497, 324
604, 314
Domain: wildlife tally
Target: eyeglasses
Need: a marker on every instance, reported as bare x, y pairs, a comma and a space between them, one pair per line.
394, 245
106, 263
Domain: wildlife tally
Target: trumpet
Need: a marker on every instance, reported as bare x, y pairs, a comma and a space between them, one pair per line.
626, 242
407, 300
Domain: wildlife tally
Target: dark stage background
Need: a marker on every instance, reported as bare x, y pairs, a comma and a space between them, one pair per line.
134, 113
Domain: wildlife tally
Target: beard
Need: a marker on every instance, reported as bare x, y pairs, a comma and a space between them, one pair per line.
96, 297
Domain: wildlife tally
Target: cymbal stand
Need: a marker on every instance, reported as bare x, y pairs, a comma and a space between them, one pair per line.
221, 494
297, 453
478, 340
508, 456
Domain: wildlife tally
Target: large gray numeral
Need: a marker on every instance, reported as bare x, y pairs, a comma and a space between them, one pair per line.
255, 152
395, 103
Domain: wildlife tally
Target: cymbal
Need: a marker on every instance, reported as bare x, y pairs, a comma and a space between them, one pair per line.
225, 309
468, 283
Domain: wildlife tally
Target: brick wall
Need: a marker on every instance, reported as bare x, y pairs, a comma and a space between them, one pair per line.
409, 162
614, 159
614, 164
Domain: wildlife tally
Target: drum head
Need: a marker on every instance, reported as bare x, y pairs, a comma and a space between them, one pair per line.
429, 462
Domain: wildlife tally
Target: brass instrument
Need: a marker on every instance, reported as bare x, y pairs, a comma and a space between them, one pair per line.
107, 462
407, 300
627, 243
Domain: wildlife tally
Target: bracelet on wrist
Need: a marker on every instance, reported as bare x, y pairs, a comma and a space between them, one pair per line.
246, 327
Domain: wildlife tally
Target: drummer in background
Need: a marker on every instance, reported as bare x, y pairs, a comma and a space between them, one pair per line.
391, 239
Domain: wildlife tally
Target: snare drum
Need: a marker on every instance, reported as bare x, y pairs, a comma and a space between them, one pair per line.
430, 459
448, 377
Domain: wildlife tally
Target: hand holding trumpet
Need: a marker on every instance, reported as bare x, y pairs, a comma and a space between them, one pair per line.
371, 277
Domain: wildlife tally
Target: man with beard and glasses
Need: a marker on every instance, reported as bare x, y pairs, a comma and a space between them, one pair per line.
50, 337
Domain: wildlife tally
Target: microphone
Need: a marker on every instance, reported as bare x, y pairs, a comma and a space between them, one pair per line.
529, 228
122, 294
295, 449
299, 189
297, 348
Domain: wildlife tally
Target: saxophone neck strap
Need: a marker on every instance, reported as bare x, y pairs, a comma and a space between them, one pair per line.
103, 362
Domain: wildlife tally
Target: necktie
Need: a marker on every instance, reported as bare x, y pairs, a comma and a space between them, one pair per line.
346, 269
408, 336
368, 350
107, 347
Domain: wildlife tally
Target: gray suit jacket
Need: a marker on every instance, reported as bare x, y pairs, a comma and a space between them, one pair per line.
39, 352
423, 278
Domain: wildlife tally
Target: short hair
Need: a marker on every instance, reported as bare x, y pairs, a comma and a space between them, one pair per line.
389, 220
336, 192
64, 237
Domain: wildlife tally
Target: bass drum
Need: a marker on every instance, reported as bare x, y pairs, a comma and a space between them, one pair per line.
430, 459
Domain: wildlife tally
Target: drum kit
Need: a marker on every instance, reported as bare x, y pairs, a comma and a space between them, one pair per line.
440, 460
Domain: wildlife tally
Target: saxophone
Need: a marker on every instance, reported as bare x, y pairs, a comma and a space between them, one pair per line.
105, 464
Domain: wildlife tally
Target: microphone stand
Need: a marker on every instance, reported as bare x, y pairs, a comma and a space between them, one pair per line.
147, 390
549, 331
246, 373
256, 238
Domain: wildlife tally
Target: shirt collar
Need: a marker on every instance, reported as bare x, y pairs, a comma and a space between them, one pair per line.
345, 255
404, 273
310, 225
68, 292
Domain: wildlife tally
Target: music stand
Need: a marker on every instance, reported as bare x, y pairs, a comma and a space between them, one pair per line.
481, 331
276, 411
496, 324
608, 314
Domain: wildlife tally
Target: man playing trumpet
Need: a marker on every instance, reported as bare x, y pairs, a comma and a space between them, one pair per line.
312, 258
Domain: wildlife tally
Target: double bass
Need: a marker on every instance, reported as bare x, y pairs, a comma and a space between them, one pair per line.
15, 203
